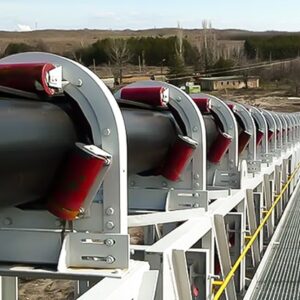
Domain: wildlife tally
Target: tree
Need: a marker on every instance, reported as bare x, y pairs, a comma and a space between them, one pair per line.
119, 54
207, 45
222, 63
177, 65
14, 48
97, 52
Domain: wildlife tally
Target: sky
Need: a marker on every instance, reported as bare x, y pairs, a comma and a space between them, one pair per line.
259, 15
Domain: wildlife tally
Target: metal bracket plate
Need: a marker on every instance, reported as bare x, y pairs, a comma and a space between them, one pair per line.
227, 179
93, 250
254, 166
186, 199
267, 158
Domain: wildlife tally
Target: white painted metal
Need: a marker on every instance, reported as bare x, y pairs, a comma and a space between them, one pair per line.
8, 288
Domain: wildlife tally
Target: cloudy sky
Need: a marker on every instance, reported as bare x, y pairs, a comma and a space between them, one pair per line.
120, 14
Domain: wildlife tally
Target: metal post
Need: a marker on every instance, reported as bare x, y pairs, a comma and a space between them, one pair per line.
268, 202
223, 252
9, 288
252, 226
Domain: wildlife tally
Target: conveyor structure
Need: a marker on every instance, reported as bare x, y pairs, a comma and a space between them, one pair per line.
203, 183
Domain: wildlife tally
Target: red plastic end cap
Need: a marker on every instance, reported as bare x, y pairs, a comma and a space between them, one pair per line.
244, 139
28, 77
155, 96
278, 132
231, 106
219, 147
75, 182
270, 135
179, 157
259, 137
204, 104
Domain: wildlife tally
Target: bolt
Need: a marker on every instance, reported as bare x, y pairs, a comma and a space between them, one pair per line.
196, 195
164, 184
195, 129
197, 185
132, 252
106, 131
110, 225
7, 221
81, 213
79, 82
178, 99
109, 259
58, 223
196, 205
110, 211
109, 242
196, 176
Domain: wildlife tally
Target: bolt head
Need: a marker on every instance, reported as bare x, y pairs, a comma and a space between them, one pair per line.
7, 221
58, 223
109, 211
110, 225
106, 131
110, 259
109, 242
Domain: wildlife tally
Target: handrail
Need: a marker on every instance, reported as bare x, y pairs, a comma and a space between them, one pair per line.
254, 236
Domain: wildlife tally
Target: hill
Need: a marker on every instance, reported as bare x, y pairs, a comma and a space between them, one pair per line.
60, 41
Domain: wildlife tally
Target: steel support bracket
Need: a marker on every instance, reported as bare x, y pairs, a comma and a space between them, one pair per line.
254, 166
94, 250
186, 199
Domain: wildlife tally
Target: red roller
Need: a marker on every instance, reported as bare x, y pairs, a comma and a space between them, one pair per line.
244, 139
155, 96
278, 132
219, 147
178, 157
204, 104
231, 106
270, 135
259, 137
76, 180
29, 77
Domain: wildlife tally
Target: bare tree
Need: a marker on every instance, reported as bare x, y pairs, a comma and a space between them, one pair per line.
119, 55
179, 44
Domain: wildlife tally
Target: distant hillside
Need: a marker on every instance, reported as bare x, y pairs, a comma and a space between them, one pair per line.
60, 41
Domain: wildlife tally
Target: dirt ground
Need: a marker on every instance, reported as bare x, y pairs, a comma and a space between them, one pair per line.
281, 99
44, 289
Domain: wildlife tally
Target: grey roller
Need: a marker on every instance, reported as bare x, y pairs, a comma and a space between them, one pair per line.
150, 135
34, 139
